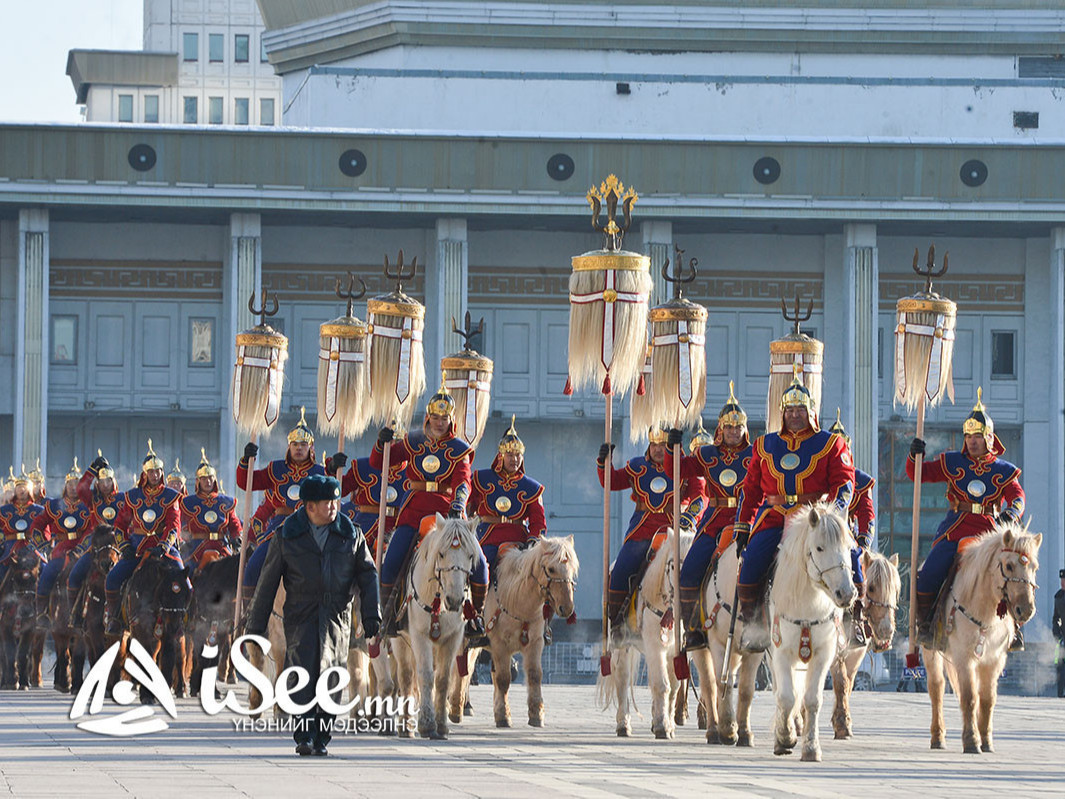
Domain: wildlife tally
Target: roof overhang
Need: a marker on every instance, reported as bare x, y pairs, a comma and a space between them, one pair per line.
120, 68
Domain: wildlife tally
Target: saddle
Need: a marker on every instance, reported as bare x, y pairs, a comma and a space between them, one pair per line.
940, 609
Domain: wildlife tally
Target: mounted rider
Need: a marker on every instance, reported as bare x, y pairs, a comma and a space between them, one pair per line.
210, 517
148, 521
280, 481
16, 519
789, 470
982, 489
651, 485
67, 522
722, 464
99, 493
437, 466
363, 483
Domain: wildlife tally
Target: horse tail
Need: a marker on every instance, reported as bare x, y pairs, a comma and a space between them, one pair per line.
606, 688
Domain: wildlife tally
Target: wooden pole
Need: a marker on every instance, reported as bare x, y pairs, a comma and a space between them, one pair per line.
680, 661
340, 448
386, 456
915, 539
608, 466
248, 491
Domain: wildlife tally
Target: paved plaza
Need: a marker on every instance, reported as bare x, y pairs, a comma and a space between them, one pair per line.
577, 754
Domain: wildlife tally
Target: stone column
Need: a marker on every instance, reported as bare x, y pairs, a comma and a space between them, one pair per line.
31, 344
241, 278
658, 244
861, 299
446, 296
1054, 545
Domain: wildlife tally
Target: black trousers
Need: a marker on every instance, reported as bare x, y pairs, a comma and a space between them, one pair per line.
314, 727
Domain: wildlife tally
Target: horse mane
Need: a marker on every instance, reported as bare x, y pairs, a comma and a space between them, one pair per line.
980, 557
438, 541
879, 570
517, 565
790, 579
656, 569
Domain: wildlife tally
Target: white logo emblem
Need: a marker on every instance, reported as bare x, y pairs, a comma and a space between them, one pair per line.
137, 720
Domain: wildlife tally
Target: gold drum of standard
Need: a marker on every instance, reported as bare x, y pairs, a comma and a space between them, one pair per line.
976, 488
430, 464
503, 504
790, 461
108, 513
659, 485
293, 492
210, 517
149, 516
727, 478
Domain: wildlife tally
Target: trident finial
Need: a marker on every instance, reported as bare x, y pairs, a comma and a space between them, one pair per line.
796, 316
401, 273
930, 270
680, 276
612, 191
469, 332
350, 294
265, 308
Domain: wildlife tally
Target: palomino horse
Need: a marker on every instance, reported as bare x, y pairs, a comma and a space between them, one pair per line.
526, 579
648, 631
724, 724
156, 602
17, 630
882, 587
435, 589
812, 585
993, 592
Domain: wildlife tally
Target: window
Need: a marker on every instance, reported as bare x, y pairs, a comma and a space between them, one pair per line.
64, 339
151, 108
201, 342
214, 110
125, 108
240, 48
190, 46
266, 111
217, 46
192, 111
240, 111
262, 50
1003, 351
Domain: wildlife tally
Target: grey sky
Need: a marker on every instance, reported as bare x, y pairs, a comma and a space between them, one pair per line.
34, 39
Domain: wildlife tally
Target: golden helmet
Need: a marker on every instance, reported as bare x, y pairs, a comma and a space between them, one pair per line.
205, 469
838, 428
74, 473
510, 442
151, 460
978, 421
301, 433
658, 433
441, 403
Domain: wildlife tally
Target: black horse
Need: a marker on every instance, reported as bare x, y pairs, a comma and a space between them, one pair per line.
156, 602
87, 615
211, 616
19, 667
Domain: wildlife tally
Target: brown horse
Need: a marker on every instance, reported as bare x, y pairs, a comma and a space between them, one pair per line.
88, 612
211, 616
19, 667
155, 603
69, 643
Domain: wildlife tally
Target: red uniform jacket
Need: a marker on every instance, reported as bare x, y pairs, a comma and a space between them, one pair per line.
652, 491
445, 462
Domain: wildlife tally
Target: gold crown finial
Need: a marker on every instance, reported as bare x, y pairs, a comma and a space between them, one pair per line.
611, 192
979, 406
303, 415
838, 420
731, 394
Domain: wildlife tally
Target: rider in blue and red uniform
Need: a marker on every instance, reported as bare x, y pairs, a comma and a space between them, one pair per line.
982, 489
67, 523
652, 491
789, 470
363, 482
437, 466
280, 480
210, 517
16, 518
722, 464
149, 520
98, 492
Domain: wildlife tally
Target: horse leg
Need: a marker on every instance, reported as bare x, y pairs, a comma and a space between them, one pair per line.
784, 687
745, 695
445, 662
966, 678
706, 710
726, 713
621, 675
359, 678
422, 650
936, 686
534, 678
987, 676
77, 662
657, 681
815, 681
501, 686
61, 674
459, 689
844, 667
680, 703
406, 685
258, 659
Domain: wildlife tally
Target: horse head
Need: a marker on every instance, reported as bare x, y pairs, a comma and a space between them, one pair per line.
104, 548
173, 592
26, 566
882, 586
1018, 563
827, 543
451, 551
557, 573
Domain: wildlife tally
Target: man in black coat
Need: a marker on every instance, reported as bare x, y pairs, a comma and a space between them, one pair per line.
1058, 628
324, 561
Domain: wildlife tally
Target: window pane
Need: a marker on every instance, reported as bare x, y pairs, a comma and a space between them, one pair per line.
240, 111
190, 50
151, 108
1002, 354
266, 111
215, 111
125, 108
64, 339
240, 48
217, 43
191, 111
262, 50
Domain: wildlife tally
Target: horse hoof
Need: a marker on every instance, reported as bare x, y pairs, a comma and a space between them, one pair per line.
744, 740
503, 721
713, 738
971, 749
404, 733
535, 722
467, 709
938, 745
624, 732
841, 735
661, 734
455, 718
439, 734
987, 748
702, 724
780, 749
728, 739
811, 755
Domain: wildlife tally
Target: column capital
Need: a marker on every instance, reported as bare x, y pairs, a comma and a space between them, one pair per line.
33, 220
1057, 238
656, 231
860, 234
451, 229
245, 225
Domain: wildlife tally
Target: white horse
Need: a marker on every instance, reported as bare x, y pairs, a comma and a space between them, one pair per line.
526, 580
434, 594
650, 633
882, 587
993, 592
812, 586
725, 725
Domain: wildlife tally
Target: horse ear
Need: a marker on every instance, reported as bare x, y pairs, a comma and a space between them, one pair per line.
569, 539
439, 519
814, 517
1038, 540
894, 560
866, 559
1007, 538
